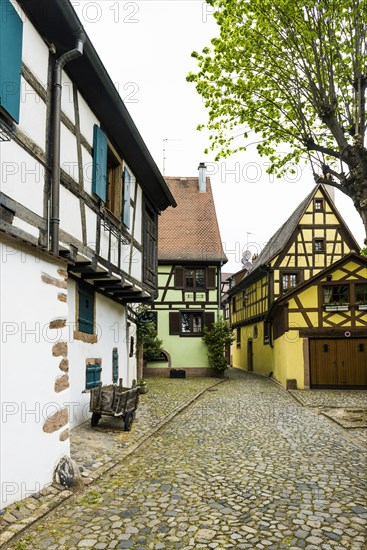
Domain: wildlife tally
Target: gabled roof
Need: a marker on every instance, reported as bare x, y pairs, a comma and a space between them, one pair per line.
283, 234
190, 232
57, 23
353, 256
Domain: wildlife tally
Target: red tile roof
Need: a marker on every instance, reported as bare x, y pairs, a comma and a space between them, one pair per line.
190, 231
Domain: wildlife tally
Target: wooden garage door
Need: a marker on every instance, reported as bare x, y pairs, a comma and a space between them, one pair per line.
338, 362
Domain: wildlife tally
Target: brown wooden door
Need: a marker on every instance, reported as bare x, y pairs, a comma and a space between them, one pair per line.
323, 363
250, 364
338, 362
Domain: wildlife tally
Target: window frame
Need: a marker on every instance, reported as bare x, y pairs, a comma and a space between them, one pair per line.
332, 302
320, 240
289, 274
238, 337
89, 337
319, 202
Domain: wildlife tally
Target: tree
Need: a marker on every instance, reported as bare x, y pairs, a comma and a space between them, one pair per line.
294, 72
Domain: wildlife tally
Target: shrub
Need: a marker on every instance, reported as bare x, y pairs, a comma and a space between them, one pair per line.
216, 338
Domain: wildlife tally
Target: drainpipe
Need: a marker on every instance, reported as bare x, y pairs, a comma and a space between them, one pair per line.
56, 125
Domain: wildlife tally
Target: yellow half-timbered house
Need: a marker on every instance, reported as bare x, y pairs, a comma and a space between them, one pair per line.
280, 332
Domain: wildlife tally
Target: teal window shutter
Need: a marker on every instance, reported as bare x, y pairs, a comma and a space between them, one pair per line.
86, 309
93, 376
99, 178
126, 195
11, 38
115, 365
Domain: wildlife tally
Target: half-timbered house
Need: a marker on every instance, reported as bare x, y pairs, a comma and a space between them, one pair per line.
79, 204
280, 332
190, 256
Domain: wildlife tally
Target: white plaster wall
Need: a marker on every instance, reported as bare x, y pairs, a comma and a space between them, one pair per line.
69, 153
22, 177
67, 98
111, 331
136, 265
87, 120
87, 160
28, 373
35, 50
91, 223
32, 118
70, 219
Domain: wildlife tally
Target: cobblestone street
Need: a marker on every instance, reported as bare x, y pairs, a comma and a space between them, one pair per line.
245, 466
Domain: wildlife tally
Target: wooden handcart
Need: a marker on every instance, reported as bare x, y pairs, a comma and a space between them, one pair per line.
113, 400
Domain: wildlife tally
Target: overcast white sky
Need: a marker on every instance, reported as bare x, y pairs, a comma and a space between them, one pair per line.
146, 47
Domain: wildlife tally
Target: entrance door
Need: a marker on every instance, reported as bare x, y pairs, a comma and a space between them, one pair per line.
250, 354
338, 362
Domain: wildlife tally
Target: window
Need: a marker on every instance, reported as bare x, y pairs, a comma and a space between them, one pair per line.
244, 299
255, 332
319, 245
336, 295
86, 305
115, 365
289, 281
195, 278
109, 182
319, 205
189, 323
361, 293
93, 374
238, 337
11, 32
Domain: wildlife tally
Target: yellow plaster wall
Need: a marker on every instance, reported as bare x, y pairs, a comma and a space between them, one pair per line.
288, 358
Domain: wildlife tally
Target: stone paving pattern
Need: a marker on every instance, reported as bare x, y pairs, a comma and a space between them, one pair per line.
245, 466
98, 449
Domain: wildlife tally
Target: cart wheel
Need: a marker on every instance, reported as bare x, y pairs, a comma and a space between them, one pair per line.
95, 419
128, 421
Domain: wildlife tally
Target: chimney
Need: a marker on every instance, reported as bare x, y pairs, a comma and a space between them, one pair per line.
202, 177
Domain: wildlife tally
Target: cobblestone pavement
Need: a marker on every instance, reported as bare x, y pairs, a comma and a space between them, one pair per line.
97, 450
245, 466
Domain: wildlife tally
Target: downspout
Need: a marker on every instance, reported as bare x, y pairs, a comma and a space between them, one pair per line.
56, 126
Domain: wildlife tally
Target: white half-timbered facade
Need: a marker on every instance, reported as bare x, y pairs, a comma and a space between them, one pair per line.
79, 204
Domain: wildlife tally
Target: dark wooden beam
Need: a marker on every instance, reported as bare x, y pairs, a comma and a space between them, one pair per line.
96, 275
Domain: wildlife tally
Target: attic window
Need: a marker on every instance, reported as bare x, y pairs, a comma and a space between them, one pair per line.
319, 205
319, 245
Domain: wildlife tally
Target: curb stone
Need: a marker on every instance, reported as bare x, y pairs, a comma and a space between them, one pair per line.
50, 500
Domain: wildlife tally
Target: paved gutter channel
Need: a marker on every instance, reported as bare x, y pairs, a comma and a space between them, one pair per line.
18, 517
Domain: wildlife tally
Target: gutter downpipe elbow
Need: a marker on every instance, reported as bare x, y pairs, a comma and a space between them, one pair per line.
56, 143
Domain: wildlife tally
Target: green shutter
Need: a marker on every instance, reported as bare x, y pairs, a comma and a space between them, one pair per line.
86, 309
99, 181
126, 195
93, 376
11, 37
115, 365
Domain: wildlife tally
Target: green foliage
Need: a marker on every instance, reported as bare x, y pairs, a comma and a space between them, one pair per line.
147, 336
216, 338
295, 73
364, 251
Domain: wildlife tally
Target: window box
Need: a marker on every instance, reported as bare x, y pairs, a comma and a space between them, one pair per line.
362, 307
337, 307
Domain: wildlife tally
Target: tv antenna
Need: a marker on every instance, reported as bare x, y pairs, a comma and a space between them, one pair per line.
164, 151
